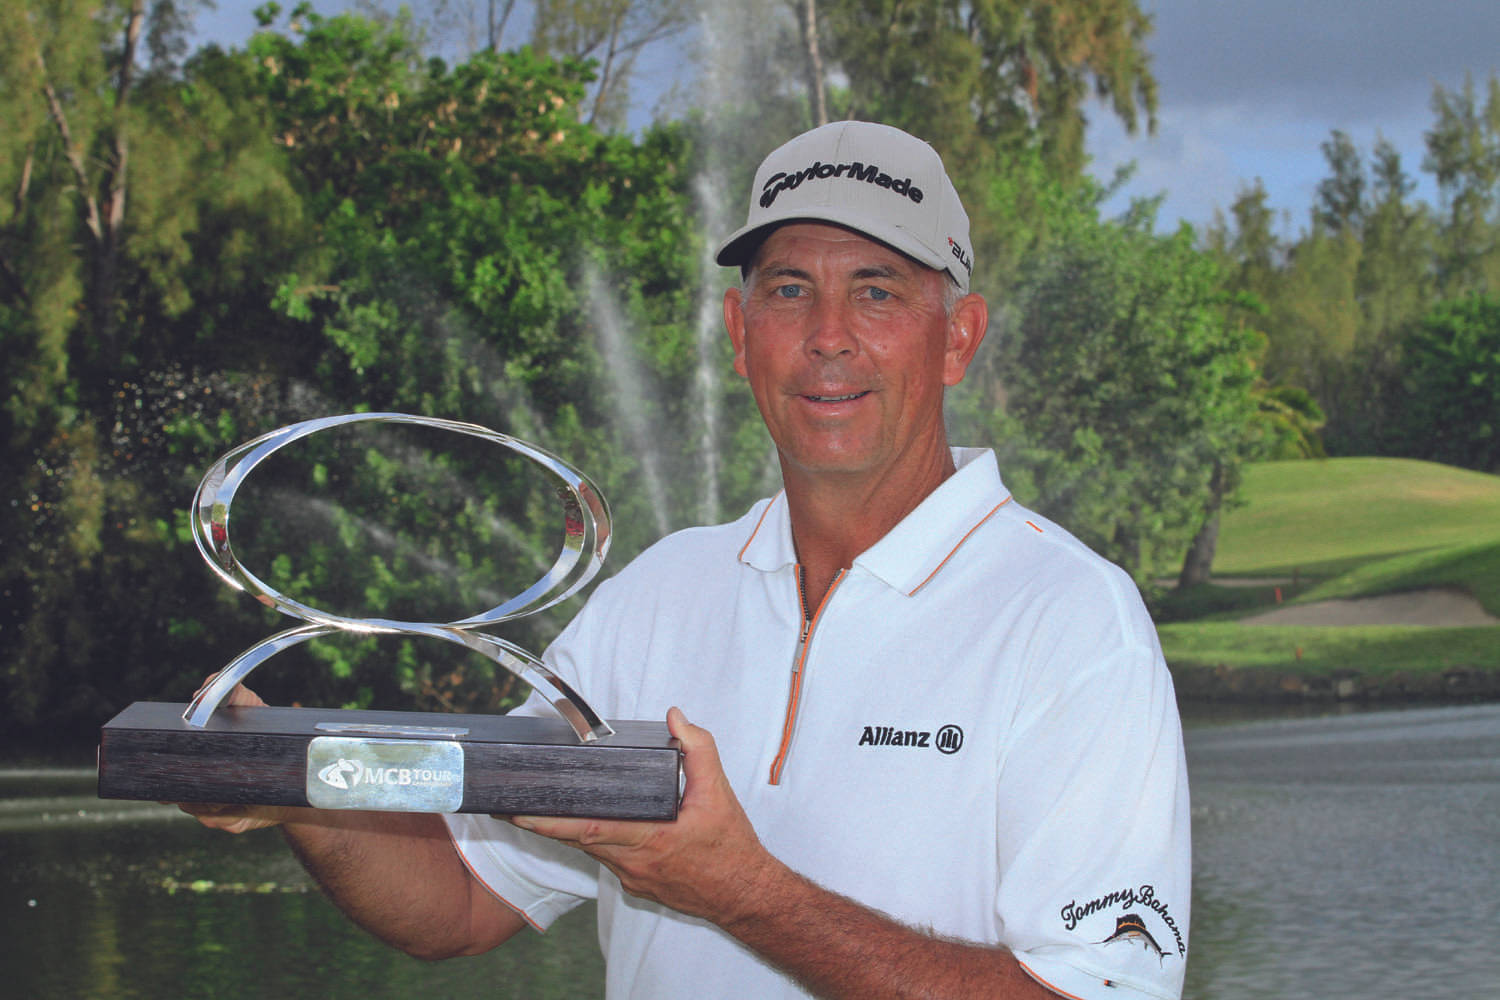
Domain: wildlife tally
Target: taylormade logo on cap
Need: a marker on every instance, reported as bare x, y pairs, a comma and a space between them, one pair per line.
873, 179
856, 171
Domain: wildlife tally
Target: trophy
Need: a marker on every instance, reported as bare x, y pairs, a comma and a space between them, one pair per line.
576, 764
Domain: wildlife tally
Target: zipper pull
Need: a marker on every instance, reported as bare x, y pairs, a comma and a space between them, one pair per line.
807, 613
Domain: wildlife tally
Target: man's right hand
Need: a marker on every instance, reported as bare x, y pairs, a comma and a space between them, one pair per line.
236, 818
397, 875
232, 818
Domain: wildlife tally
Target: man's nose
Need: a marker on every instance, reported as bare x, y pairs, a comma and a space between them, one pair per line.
829, 333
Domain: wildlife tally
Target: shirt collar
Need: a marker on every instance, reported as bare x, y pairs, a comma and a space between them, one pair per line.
916, 548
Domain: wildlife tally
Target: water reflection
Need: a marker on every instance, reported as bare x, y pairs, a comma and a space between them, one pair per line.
132, 900
1351, 856
1354, 855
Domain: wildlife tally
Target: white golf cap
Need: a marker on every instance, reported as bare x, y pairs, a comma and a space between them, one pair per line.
873, 179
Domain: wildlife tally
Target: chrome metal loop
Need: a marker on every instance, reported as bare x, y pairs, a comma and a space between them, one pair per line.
586, 541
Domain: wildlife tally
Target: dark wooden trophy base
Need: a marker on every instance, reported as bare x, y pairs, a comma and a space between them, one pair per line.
390, 761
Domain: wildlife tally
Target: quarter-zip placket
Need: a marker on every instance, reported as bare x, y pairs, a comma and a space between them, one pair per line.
799, 666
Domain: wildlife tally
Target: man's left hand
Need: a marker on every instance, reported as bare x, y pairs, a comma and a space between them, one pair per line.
707, 863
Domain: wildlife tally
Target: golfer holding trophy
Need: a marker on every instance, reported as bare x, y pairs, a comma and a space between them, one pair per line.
936, 749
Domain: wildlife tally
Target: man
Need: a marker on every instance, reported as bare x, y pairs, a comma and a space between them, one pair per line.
946, 760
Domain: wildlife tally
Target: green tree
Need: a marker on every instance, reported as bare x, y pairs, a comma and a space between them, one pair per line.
985, 75
1396, 266
1452, 411
330, 222
1393, 285
491, 257
990, 84
1341, 198
69, 78
613, 33
1265, 281
1247, 246
1126, 385
1463, 154
128, 185
1315, 314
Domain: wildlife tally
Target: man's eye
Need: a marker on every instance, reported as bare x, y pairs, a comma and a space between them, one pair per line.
789, 291
878, 294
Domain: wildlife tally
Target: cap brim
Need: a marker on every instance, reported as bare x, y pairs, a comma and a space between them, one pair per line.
741, 245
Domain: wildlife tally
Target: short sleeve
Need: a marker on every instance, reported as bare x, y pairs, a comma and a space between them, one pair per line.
537, 877
540, 879
1094, 825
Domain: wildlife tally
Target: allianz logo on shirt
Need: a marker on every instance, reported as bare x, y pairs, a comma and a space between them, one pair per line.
947, 740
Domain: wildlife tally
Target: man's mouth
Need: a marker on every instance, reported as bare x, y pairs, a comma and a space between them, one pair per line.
835, 399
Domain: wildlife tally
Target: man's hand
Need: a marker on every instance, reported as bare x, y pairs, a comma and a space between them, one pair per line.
707, 863
230, 818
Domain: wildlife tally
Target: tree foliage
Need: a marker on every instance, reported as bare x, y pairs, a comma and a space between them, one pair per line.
103, 192
331, 222
1348, 300
995, 85
1463, 155
613, 33
983, 77
1452, 384
1125, 385
196, 247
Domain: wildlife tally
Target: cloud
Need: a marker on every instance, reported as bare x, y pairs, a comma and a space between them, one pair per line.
1321, 57
1251, 89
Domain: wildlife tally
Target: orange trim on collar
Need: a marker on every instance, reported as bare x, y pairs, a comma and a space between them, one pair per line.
758, 523
960, 544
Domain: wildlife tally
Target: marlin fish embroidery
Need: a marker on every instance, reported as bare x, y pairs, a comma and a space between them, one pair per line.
1132, 929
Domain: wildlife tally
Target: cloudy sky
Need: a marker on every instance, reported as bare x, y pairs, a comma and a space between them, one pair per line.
1251, 88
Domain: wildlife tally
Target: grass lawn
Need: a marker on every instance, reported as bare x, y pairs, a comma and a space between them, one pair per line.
1344, 528
1322, 517
1366, 649
1472, 568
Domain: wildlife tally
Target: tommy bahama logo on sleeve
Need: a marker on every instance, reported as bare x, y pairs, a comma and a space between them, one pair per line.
1132, 929
1130, 926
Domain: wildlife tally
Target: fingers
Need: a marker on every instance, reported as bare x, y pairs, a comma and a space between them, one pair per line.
679, 726
548, 826
700, 752
231, 818
701, 762
581, 832
699, 863
240, 696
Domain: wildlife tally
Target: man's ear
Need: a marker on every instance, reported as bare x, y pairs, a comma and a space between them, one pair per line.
734, 323
966, 329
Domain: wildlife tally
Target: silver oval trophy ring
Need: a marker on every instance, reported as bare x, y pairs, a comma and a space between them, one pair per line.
586, 540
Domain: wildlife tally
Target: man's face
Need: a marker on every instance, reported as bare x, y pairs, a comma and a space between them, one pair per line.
847, 348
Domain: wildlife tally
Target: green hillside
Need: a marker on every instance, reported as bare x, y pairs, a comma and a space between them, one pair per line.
1325, 516
1343, 528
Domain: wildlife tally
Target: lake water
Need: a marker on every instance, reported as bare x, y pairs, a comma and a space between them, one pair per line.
1356, 856
1349, 856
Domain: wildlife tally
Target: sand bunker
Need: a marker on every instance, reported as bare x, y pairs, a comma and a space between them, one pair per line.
1442, 606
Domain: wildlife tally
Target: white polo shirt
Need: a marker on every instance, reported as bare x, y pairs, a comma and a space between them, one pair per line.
979, 738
